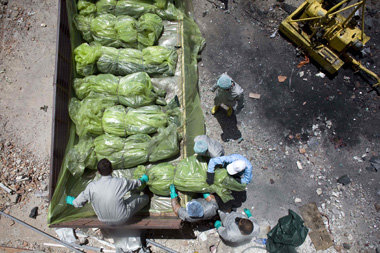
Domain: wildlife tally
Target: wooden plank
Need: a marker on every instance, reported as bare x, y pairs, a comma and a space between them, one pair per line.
313, 220
13, 250
158, 222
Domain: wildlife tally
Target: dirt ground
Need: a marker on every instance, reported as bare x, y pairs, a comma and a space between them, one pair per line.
329, 125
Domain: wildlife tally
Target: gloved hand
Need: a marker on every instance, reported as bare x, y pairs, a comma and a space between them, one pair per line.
206, 195
217, 224
210, 178
144, 178
69, 200
247, 212
173, 194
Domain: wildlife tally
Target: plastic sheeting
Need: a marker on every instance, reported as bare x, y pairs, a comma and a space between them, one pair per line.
190, 42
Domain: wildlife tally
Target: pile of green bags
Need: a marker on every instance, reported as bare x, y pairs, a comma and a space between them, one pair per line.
134, 90
120, 31
134, 8
123, 153
189, 175
155, 60
145, 120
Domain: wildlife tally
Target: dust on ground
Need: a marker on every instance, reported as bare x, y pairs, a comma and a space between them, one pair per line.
328, 125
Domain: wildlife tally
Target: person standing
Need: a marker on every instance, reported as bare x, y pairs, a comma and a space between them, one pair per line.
228, 93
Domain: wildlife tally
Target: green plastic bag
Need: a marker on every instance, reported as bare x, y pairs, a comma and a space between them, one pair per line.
108, 30
149, 28
123, 152
155, 60
87, 114
145, 119
134, 90
86, 7
81, 156
159, 61
165, 144
85, 58
191, 176
290, 232
121, 122
160, 177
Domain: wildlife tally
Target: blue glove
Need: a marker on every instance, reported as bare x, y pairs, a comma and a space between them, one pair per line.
69, 200
144, 179
173, 194
217, 224
206, 195
247, 212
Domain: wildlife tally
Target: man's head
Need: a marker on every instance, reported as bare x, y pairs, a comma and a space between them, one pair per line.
194, 209
236, 167
245, 225
224, 82
200, 147
104, 167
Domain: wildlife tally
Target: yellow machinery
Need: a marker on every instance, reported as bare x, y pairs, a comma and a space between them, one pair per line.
326, 35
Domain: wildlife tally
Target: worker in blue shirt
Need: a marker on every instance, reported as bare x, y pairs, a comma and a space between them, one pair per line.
235, 165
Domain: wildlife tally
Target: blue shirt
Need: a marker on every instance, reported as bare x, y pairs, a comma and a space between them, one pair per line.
225, 160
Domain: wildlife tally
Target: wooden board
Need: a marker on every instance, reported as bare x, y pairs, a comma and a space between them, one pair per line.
313, 220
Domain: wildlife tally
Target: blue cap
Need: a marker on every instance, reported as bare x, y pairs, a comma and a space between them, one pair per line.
194, 209
200, 147
224, 82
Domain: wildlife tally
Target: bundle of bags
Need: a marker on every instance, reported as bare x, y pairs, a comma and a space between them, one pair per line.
154, 60
120, 31
134, 8
123, 153
189, 175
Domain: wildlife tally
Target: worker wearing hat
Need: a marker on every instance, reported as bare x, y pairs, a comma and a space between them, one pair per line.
237, 228
207, 147
229, 93
236, 165
197, 209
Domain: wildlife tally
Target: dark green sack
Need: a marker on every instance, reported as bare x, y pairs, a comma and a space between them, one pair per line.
289, 233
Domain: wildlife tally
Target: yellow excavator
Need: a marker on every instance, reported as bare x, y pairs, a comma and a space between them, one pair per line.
319, 28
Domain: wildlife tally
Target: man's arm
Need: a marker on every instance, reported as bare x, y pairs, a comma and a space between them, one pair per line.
175, 205
82, 198
247, 176
132, 184
217, 161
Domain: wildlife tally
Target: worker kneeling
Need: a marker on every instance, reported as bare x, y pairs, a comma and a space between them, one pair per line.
197, 209
235, 228
107, 196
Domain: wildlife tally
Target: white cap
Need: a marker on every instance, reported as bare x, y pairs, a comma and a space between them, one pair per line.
236, 167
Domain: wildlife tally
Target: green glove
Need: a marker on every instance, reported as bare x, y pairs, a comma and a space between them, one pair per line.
173, 194
205, 195
69, 200
144, 178
247, 212
217, 224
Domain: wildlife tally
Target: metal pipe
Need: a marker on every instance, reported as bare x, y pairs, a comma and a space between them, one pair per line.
68, 245
346, 8
336, 6
350, 17
363, 19
161, 246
